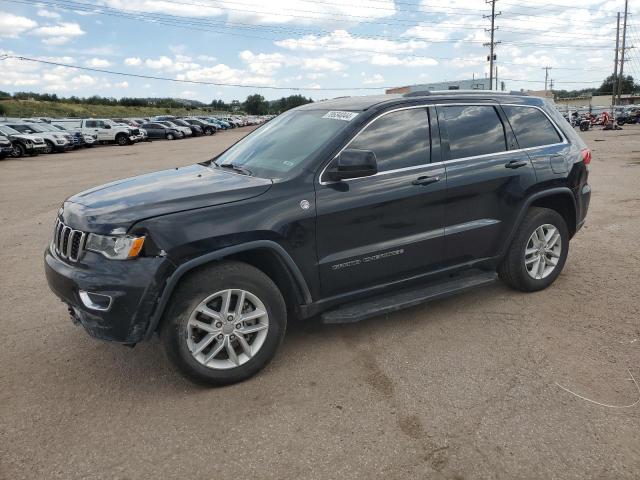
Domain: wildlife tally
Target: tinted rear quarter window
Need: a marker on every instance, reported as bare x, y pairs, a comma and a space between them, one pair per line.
531, 126
474, 130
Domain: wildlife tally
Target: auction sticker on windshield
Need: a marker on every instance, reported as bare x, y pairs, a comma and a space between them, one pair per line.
337, 115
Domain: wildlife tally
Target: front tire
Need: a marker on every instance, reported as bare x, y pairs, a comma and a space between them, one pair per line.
538, 251
170, 136
18, 151
122, 140
50, 147
224, 323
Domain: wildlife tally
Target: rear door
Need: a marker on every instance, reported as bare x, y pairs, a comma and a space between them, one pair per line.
543, 142
390, 225
488, 179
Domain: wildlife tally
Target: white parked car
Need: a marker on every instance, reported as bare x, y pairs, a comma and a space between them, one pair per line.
54, 141
106, 130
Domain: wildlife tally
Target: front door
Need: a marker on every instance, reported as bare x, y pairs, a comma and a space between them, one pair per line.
488, 179
384, 227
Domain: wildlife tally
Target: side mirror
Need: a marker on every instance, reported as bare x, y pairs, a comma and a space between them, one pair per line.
107, 126
353, 163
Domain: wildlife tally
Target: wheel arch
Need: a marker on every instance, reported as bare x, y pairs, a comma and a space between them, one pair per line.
266, 255
560, 199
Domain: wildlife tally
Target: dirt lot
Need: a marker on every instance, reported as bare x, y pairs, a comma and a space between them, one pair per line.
458, 389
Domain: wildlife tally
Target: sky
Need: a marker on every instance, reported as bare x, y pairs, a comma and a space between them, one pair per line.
309, 47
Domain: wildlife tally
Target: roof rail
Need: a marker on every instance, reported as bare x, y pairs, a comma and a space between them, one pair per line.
426, 93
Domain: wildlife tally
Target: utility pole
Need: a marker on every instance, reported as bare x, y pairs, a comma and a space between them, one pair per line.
624, 38
546, 77
492, 43
615, 68
551, 85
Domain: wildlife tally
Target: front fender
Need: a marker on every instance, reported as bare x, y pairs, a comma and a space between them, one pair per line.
173, 280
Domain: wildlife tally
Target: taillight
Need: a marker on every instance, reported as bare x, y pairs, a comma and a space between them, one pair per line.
586, 156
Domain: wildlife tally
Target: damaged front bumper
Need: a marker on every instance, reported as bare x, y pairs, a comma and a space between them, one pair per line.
113, 300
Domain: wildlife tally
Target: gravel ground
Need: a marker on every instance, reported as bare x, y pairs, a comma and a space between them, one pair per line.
462, 388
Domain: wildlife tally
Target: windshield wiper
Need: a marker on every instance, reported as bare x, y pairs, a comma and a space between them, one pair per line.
236, 168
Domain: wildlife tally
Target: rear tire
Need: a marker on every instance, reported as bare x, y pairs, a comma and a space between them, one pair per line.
191, 337
534, 261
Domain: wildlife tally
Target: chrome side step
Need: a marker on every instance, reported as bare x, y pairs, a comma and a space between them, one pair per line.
356, 311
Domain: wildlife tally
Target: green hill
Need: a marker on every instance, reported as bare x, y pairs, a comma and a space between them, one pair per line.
37, 108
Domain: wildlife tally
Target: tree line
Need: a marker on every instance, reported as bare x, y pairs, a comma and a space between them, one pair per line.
253, 105
628, 86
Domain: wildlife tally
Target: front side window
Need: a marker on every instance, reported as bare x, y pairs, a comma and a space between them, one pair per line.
531, 126
474, 130
399, 139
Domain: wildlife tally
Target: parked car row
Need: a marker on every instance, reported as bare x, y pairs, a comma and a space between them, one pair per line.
32, 136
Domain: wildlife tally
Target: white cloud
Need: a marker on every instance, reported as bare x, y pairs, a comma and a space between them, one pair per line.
376, 78
264, 64
222, 73
132, 61
48, 14
322, 64
159, 64
393, 61
342, 42
98, 63
121, 85
83, 80
259, 13
58, 34
13, 25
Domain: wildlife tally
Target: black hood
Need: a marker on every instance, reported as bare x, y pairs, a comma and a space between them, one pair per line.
124, 202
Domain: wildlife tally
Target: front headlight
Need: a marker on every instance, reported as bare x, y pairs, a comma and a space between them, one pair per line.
115, 247
55, 135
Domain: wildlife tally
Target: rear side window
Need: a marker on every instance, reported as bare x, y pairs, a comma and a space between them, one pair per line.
399, 139
474, 130
91, 124
531, 126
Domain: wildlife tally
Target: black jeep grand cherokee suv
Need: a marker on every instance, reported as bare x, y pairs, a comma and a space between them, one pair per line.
346, 209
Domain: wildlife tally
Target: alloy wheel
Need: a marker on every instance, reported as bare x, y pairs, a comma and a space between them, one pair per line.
227, 329
542, 252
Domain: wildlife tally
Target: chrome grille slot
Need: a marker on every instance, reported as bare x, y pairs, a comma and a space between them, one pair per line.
67, 242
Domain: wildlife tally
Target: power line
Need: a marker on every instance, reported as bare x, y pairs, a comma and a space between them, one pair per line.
222, 84
168, 79
97, 9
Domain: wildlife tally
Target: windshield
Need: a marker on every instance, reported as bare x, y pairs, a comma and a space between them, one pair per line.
8, 130
38, 128
284, 143
24, 129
